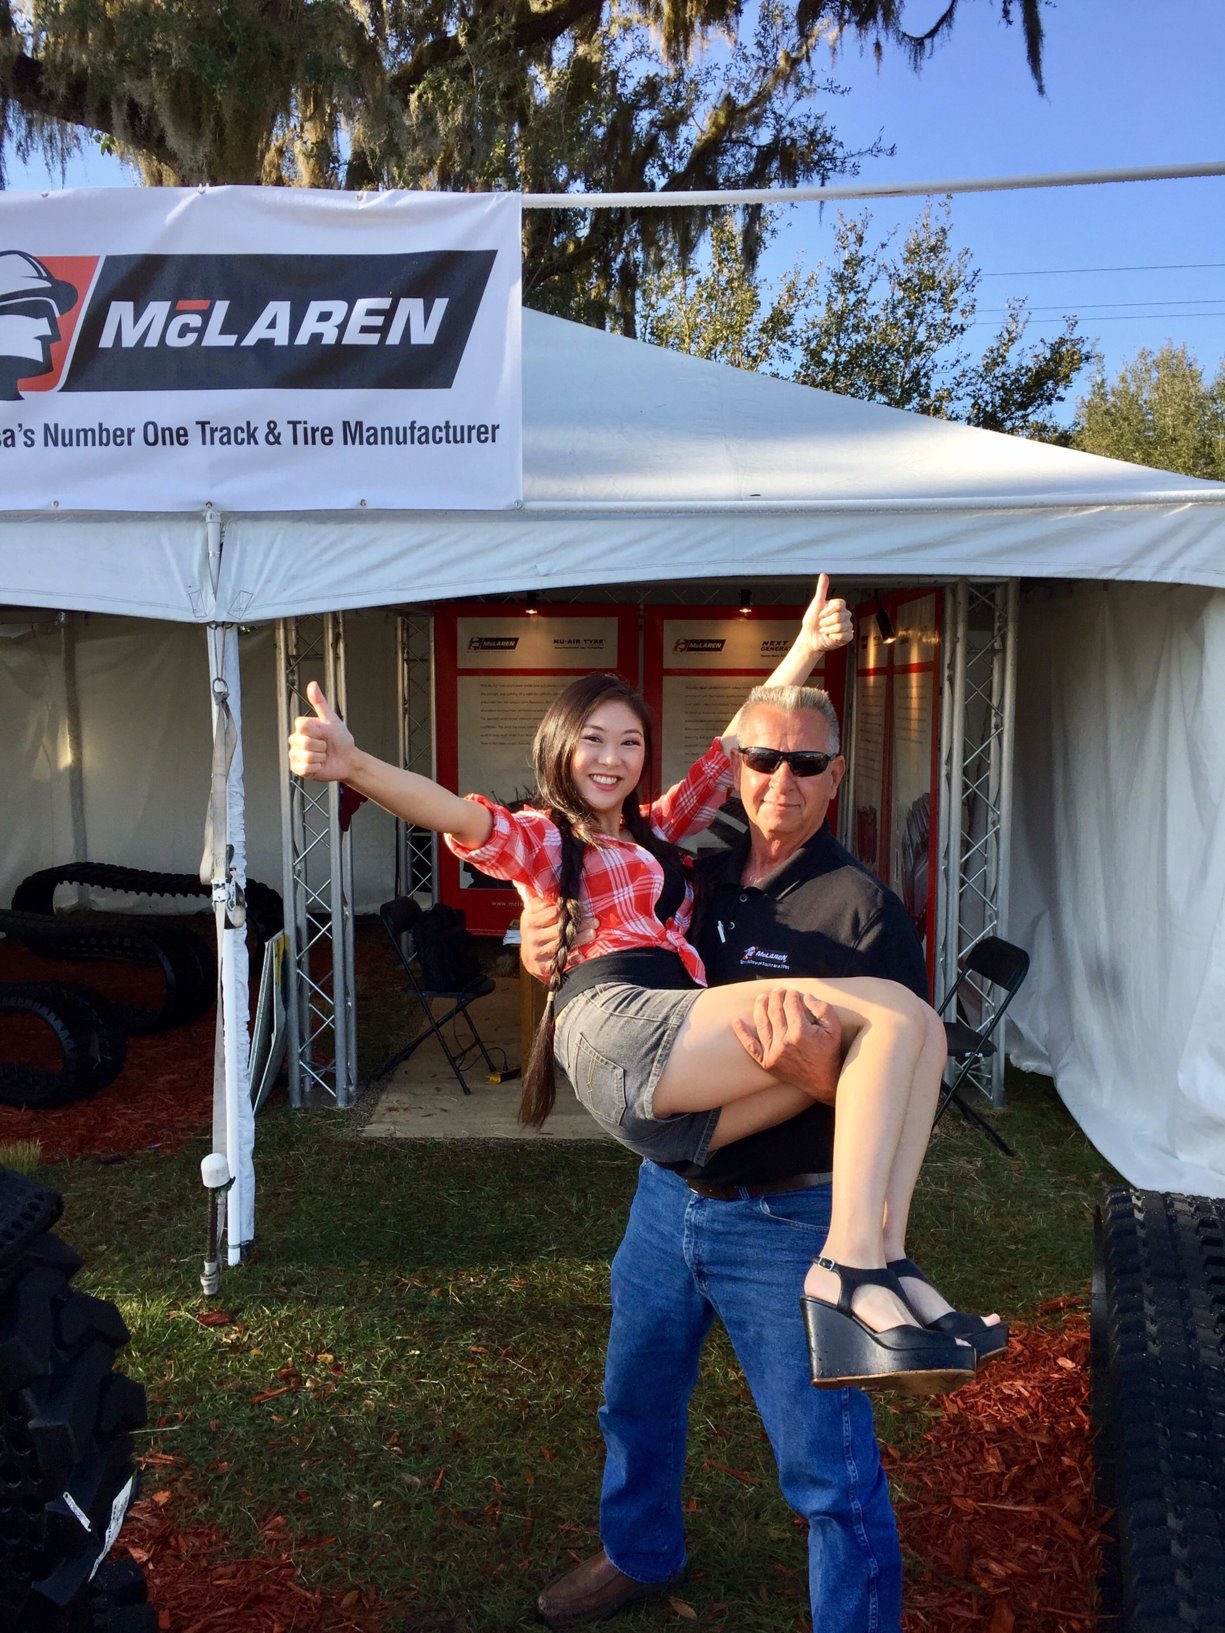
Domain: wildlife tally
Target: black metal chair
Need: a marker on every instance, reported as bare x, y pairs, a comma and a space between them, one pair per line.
401, 919
990, 977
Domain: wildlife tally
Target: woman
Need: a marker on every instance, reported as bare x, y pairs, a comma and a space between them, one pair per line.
652, 1053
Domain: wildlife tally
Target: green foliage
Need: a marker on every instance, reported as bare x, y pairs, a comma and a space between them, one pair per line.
887, 327
717, 312
1160, 411
538, 95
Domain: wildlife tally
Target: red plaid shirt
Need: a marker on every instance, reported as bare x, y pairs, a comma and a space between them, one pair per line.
621, 881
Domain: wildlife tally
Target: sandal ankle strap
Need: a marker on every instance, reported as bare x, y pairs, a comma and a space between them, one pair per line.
907, 1267
852, 1277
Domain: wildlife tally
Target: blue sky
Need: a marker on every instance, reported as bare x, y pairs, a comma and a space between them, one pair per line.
1129, 83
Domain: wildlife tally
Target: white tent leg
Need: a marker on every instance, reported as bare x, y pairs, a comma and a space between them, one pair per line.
233, 1118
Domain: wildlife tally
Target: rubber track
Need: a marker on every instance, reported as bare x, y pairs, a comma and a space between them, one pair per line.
36, 892
91, 1041
1159, 1408
66, 1422
185, 961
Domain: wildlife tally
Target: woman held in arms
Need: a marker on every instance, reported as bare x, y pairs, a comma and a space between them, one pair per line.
657, 1057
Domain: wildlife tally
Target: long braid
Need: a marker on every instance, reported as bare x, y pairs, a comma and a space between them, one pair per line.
539, 1087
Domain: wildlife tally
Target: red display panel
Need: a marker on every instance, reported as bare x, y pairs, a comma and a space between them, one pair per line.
896, 783
699, 665
497, 668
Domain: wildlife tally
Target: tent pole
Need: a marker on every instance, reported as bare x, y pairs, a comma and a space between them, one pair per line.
225, 864
416, 859
318, 879
960, 596
340, 859
1007, 703
289, 854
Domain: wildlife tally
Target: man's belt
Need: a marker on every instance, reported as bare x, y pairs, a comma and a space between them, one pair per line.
772, 1187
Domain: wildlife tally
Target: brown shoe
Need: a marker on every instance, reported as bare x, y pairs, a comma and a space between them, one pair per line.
594, 1591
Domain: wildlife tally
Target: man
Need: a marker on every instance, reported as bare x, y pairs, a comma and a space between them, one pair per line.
734, 1239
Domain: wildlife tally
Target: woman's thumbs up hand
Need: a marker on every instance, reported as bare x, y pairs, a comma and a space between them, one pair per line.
321, 746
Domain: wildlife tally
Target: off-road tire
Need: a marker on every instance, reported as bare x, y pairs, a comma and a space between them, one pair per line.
92, 1043
66, 1422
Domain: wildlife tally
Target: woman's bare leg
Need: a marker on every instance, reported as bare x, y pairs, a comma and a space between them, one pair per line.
708, 1067
887, 1032
766, 1109
928, 1303
875, 1091
915, 1135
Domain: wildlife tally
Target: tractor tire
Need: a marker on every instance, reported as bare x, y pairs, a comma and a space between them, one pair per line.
66, 1421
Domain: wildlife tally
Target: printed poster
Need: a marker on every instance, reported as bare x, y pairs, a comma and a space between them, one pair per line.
259, 348
499, 668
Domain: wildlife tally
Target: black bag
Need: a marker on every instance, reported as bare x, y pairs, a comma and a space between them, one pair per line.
446, 950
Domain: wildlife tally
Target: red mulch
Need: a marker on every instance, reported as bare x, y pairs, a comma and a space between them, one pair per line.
996, 1508
161, 1098
164, 1094
200, 1586
999, 1527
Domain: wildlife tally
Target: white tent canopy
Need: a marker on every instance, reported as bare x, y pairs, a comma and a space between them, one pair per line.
644, 465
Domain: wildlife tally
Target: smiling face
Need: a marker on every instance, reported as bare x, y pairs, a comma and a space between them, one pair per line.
607, 762
783, 809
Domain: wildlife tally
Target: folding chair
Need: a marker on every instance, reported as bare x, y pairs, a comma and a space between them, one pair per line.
992, 972
400, 918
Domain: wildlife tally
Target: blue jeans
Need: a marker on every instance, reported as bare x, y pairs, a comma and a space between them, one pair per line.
684, 1260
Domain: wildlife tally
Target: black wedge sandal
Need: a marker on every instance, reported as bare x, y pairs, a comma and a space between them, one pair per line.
988, 1340
842, 1349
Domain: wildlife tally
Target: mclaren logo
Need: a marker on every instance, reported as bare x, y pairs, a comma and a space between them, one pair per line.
374, 320
695, 643
492, 643
764, 958
187, 323
33, 300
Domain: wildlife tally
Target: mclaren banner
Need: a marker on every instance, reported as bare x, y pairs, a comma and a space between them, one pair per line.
259, 349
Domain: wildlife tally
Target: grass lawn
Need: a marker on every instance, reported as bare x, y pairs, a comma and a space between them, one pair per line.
414, 1358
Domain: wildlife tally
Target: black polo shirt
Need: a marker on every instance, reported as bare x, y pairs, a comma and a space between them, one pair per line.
820, 913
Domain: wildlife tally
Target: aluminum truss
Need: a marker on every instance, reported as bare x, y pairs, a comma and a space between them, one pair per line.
416, 848
976, 739
318, 881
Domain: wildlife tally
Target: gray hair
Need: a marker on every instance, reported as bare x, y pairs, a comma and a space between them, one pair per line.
793, 699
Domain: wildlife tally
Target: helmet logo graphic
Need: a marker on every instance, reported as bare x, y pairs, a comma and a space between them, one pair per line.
32, 300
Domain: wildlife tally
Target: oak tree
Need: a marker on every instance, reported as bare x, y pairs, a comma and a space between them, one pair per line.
537, 95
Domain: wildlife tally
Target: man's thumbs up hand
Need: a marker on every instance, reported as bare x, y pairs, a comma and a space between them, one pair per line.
321, 746
826, 623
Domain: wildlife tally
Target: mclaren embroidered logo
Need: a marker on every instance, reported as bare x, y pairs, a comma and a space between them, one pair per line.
187, 323
764, 958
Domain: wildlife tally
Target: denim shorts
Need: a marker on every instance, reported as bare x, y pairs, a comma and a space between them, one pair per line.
612, 1044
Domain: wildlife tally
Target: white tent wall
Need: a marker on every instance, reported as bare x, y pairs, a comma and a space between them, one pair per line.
1118, 870
145, 747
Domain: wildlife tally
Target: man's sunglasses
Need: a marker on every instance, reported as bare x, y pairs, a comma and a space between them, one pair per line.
803, 762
